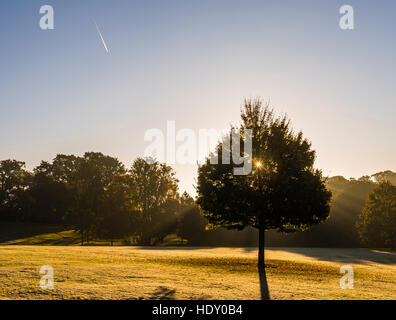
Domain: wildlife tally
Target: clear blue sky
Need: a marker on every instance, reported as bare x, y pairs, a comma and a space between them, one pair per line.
193, 61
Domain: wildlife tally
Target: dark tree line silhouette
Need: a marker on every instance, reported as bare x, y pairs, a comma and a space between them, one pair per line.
49, 195
96, 195
377, 222
340, 230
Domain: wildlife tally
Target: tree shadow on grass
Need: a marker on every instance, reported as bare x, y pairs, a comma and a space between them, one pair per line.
263, 283
163, 293
340, 255
346, 255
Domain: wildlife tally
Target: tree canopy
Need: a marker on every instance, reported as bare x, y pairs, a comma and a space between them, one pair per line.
155, 194
377, 221
283, 191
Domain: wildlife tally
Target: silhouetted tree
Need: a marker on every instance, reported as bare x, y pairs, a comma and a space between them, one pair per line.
385, 176
93, 174
115, 218
191, 224
154, 192
377, 221
283, 191
14, 181
51, 192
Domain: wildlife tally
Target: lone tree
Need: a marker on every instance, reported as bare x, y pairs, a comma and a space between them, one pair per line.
377, 222
283, 191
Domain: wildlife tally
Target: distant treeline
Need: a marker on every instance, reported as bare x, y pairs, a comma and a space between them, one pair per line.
96, 195
101, 198
349, 198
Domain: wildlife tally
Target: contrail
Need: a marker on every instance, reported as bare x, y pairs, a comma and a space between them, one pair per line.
101, 37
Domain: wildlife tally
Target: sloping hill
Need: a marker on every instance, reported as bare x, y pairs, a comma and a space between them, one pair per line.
25, 233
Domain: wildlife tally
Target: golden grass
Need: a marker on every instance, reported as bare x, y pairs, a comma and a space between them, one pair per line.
193, 273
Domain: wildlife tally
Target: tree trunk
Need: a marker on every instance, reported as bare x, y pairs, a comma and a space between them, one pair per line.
261, 262
82, 237
145, 240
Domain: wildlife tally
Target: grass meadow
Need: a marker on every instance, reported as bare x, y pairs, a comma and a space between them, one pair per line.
126, 272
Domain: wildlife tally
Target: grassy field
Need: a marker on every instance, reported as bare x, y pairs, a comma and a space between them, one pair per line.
193, 273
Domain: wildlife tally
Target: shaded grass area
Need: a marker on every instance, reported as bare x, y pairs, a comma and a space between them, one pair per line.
61, 238
194, 273
24, 233
12, 233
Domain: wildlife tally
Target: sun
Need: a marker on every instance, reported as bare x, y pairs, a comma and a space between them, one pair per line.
258, 164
